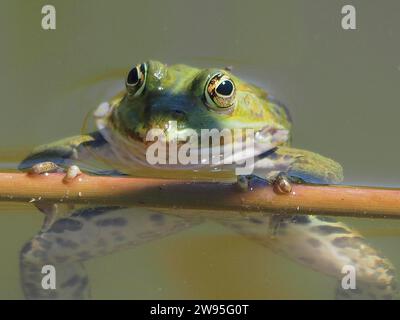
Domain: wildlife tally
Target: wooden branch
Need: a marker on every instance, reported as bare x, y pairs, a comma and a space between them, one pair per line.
213, 198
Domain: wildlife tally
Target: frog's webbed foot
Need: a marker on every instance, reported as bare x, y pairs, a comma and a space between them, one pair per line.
326, 246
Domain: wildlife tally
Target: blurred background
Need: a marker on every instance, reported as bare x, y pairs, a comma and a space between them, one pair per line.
342, 87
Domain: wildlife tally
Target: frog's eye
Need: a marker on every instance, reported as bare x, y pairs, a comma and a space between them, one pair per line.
136, 79
220, 92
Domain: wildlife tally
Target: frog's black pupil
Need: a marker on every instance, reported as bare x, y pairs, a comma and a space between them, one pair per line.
133, 76
225, 88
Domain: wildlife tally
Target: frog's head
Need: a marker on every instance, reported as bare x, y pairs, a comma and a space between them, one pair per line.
180, 100
195, 98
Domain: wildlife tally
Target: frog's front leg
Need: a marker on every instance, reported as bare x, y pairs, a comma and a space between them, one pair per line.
62, 153
310, 167
288, 165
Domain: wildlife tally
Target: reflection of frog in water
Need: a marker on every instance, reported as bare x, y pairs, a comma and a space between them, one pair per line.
196, 99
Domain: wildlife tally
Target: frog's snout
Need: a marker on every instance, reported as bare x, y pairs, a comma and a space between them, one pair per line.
162, 116
177, 114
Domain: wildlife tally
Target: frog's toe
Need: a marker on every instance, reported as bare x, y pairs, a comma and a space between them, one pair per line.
250, 182
44, 167
282, 184
242, 182
71, 173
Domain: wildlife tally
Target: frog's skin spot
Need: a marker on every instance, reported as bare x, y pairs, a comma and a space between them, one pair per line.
326, 229
101, 243
120, 238
40, 254
26, 248
146, 235
112, 222
315, 243
61, 259
301, 219
279, 228
71, 282
236, 226
67, 243
307, 260
84, 255
255, 220
83, 284
44, 244
347, 242
157, 217
67, 224
325, 219
283, 224
89, 213
31, 288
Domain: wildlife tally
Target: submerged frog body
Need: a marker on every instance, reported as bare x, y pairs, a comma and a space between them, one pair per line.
195, 99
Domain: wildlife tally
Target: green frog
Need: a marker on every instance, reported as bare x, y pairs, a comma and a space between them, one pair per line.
176, 103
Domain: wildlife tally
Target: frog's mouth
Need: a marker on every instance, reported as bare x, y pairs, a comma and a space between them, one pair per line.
148, 136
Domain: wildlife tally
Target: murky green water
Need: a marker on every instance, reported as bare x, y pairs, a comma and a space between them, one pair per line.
341, 87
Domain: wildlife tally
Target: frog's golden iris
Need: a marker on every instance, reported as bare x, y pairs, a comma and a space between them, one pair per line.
220, 92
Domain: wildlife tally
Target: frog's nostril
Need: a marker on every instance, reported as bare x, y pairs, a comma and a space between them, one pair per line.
177, 114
